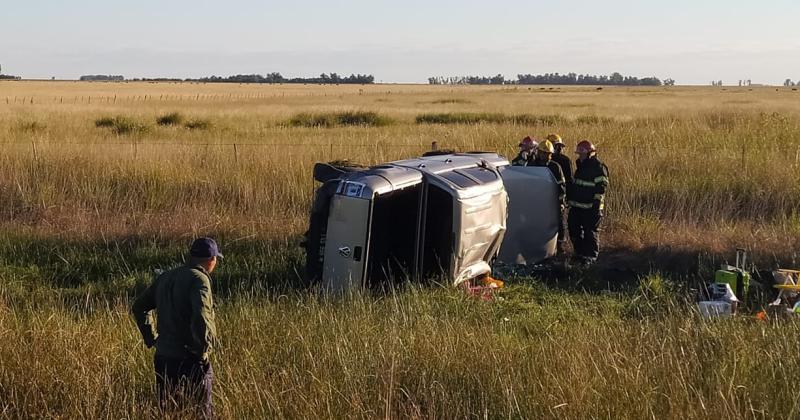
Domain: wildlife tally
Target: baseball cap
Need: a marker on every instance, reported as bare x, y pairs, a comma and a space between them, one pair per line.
204, 248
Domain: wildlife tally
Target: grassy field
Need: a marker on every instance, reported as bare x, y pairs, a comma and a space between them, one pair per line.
102, 182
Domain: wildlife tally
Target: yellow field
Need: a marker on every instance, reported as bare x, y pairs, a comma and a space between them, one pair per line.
86, 214
697, 168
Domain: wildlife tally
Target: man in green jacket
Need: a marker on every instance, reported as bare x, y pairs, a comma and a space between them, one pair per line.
186, 333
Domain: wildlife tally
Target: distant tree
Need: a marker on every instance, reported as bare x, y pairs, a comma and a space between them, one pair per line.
278, 78
669, 82
101, 78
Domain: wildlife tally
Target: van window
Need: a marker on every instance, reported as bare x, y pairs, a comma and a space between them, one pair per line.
481, 174
460, 180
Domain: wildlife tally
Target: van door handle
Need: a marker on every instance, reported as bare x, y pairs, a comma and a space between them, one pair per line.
357, 253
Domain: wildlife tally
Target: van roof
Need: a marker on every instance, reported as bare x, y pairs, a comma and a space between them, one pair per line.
445, 163
396, 175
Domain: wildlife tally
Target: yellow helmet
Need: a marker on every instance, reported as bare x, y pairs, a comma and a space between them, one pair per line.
546, 146
555, 138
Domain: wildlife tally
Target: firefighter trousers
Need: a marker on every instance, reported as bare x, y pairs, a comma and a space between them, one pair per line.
584, 231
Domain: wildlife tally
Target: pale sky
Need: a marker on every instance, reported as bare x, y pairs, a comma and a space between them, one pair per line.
692, 41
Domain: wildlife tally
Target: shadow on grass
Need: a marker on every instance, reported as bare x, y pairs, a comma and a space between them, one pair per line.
122, 267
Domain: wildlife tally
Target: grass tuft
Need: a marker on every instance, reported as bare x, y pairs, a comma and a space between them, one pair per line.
340, 119
446, 101
594, 120
488, 118
30, 126
173, 118
122, 125
199, 124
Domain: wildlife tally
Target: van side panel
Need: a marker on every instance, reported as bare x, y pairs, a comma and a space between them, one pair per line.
480, 221
532, 215
346, 243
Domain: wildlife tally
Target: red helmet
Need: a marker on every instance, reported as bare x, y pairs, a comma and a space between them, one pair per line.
585, 146
527, 143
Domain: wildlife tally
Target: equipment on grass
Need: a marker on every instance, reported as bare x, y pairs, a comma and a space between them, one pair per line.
736, 276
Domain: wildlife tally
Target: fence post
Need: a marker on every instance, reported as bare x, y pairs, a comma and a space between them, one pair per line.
236, 154
35, 155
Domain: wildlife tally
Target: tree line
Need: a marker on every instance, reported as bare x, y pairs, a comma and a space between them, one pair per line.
101, 78
615, 79
7, 76
324, 78
330, 78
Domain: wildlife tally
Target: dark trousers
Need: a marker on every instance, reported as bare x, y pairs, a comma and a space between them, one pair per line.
562, 228
584, 231
184, 384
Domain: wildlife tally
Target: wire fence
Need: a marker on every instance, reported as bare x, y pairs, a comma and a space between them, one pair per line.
740, 156
219, 97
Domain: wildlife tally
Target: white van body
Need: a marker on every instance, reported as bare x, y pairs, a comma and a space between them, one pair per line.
446, 217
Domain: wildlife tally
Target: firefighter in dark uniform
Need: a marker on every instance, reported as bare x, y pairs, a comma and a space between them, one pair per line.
544, 157
560, 158
566, 167
586, 201
527, 152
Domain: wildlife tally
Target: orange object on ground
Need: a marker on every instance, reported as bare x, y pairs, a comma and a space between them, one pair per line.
493, 283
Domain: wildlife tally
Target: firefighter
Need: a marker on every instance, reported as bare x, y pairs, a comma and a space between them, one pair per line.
544, 157
527, 152
586, 201
559, 157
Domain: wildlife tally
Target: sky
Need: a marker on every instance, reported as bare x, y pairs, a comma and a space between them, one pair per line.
407, 41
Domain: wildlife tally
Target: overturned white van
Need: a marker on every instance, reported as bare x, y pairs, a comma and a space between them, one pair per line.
446, 216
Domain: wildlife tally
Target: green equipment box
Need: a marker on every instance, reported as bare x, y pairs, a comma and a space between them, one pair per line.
738, 279
736, 276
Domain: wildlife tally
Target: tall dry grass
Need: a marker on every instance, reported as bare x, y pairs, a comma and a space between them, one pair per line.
415, 354
87, 212
700, 168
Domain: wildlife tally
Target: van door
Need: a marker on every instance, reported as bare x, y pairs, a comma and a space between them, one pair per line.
533, 210
346, 243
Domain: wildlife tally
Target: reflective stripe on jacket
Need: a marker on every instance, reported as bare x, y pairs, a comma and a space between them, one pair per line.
589, 186
558, 174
